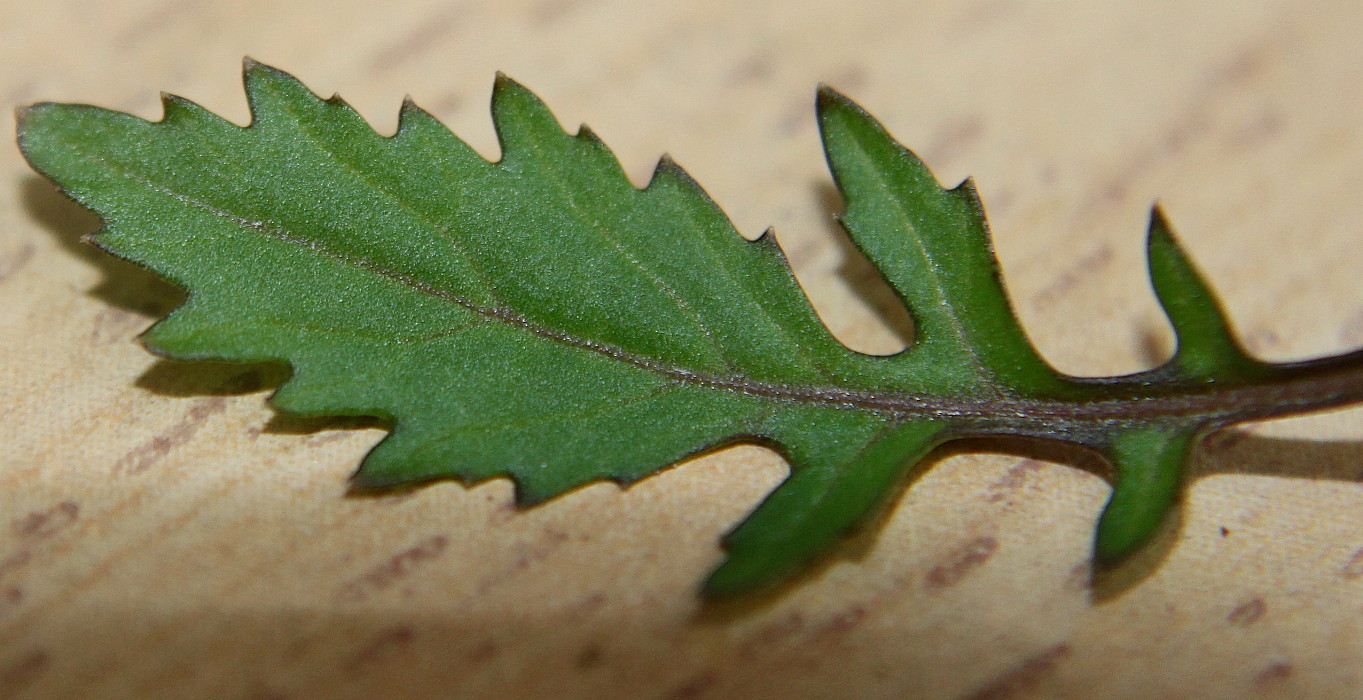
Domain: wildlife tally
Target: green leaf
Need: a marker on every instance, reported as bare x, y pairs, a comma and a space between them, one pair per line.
541, 318
933, 247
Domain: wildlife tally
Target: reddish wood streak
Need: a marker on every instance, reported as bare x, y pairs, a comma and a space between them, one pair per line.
753, 69
1014, 479
959, 136
1262, 340
429, 33
587, 605
1354, 568
773, 632
1087, 266
484, 652
114, 325
842, 621
1275, 671
503, 513
1248, 612
1080, 576
40, 525
15, 261
14, 561
1242, 66
397, 567
964, 560
589, 657
12, 597
18, 674
1024, 676
694, 686
146, 455
394, 639
551, 11
553, 539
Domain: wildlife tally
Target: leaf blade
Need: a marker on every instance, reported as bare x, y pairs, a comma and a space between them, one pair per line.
1149, 463
932, 245
1206, 346
826, 496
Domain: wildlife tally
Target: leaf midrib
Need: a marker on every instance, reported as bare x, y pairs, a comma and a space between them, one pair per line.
1306, 389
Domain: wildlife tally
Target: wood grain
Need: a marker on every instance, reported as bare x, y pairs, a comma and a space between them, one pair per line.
165, 534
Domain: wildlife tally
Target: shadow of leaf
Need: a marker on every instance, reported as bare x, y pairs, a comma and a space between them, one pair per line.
125, 285
863, 280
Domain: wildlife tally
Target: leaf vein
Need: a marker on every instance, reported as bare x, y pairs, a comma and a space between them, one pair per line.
1315, 384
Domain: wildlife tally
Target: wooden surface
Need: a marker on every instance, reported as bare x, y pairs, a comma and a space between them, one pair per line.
165, 534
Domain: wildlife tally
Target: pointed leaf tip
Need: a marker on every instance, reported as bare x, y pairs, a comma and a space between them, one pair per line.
503, 82
251, 68
827, 97
519, 114
24, 113
586, 133
1206, 346
267, 88
1148, 466
819, 504
831, 105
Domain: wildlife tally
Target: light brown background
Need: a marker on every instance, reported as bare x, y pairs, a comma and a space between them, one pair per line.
166, 535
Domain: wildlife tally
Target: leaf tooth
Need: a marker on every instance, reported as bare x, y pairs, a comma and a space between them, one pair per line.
521, 118
310, 391
968, 192
605, 158
669, 172
278, 97
827, 98
390, 463
413, 116
586, 134
768, 240
268, 88
1206, 346
338, 104
414, 122
835, 109
184, 334
177, 110
933, 248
